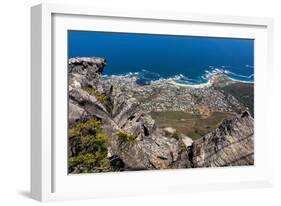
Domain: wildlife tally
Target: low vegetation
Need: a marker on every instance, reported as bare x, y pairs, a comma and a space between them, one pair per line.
192, 125
90, 124
176, 135
88, 148
100, 97
125, 137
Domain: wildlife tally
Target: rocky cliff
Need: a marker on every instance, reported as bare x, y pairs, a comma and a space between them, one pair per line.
232, 143
111, 129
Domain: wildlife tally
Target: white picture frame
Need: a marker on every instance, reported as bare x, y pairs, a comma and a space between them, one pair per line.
49, 180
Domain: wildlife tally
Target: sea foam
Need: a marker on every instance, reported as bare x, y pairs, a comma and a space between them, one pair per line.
147, 77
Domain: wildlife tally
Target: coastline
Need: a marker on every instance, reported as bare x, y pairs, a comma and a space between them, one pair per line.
241, 81
212, 79
199, 85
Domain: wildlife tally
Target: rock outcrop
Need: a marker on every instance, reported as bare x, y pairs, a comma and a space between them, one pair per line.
232, 143
135, 142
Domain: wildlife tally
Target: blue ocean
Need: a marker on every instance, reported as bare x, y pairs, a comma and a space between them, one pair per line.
186, 59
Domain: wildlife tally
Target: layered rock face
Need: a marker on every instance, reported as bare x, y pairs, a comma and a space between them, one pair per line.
231, 144
135, 142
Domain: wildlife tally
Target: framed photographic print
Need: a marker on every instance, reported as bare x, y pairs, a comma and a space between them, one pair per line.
137, 102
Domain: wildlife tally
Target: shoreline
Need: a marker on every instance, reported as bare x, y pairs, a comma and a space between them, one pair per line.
209, 83
241, 81
172, 81
199, 85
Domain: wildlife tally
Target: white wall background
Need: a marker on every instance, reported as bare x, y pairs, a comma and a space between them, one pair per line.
15, 95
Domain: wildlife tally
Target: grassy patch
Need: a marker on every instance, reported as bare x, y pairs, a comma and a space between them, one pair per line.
192, 125
126, 137
100, 97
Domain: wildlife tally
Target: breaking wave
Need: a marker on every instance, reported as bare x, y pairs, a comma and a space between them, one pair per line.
147, 77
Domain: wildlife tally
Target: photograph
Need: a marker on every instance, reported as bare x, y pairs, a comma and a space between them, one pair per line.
140, 101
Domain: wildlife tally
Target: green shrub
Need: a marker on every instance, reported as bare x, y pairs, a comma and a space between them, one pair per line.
101, 139
76, 131
87, 158
90, 148
96, 142
93, 123
89, 162
90, 124
100, 97
126, 137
